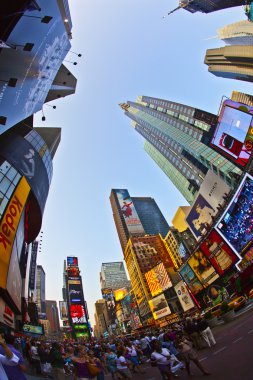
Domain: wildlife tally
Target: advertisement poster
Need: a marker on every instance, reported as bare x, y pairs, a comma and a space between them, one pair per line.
108, 296
218, 252
203, 268
63, 310
6, 314
14, 280
200, 216
236, 224
217, 294
77, 314
75, 294
184, 296
191, 280
129, 212
158, 279
159, 307
234, 132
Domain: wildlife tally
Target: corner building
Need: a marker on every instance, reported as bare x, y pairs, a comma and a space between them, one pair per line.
177, 138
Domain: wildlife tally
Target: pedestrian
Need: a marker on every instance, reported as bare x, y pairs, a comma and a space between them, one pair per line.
122, 365
35, 359
13, 372
81, 364
205, 331
188, 354
160, 357
110, 361
9, 358
192, 330
57, 361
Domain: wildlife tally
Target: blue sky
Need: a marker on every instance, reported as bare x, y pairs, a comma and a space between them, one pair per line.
128, 50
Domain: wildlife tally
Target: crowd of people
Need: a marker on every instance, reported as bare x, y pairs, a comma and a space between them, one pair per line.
171, 350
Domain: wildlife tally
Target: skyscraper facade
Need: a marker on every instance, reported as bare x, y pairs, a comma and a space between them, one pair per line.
41, 289
238, 33
53, 316
136, 216
177, 138
113, 276
208, 6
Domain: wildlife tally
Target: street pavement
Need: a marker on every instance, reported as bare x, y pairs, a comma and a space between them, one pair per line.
229, 359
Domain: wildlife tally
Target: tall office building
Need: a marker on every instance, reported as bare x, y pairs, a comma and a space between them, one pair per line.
238, 33
208, 6
177, 138
240, 97
53, 316
41, 289
113, 276
232, 61
136, 216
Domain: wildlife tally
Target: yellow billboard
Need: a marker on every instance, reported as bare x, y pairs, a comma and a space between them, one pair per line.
119, 294
8, 227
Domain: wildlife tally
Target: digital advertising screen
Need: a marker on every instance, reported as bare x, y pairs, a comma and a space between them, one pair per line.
234, 132
75, 294
63, 310
129, 212
202, 267
33, 329
236, 224
73, 272
159, 307
183, 252
108, 296
158, 280
72, 261
220, 255
191, 279
77, 314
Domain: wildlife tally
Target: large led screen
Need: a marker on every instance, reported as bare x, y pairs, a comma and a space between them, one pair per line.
129, 212
236, 224
218, 252
234, 132
191, 279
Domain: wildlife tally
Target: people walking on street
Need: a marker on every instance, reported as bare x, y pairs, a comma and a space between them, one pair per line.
188, 354
161, 358
8, 358
191, 330
122, 364
57, 362
205, 331
110, 362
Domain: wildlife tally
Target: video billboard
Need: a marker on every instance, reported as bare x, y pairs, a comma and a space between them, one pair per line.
159, 307
63, 310
77, 314
158, 280
234, 133
129, 212
218, 252
33, 265
202, 267
9, 225
33, 329
184, 296
191, 279
82, 330
236, 224
75, 294
72, 261
14, 280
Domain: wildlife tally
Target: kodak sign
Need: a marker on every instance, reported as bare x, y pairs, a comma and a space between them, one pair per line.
8, 227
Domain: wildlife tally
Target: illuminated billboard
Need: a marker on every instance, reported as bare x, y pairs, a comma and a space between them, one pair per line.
72, 261
236, 224
119, 294
158, 279
63, 310
75, 294
73, 272
184, 296
129, 212
8, 227
33, 329
159, 307
234, 133
108, 296
202, 267
77, 314
212, 194
218, 252
191, 279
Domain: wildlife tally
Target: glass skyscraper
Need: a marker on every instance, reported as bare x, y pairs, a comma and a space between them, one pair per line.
113, 275
177, 138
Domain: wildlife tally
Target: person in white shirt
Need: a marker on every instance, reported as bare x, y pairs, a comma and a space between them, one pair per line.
161, 356
8, 359
122, 365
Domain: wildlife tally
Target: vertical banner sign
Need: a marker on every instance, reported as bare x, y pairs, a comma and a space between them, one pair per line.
33, 265
8, 227
184, 296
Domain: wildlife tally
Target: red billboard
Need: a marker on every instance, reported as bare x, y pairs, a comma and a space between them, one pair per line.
218, 252
234, 133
